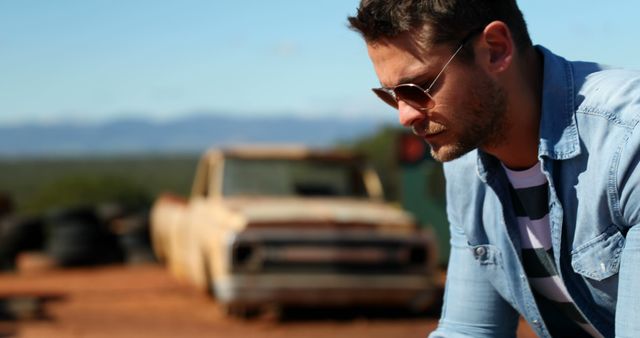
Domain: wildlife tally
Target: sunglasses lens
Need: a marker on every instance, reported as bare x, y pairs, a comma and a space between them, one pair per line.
386, 97
413, 96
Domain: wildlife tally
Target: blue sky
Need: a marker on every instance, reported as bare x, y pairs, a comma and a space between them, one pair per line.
96, 60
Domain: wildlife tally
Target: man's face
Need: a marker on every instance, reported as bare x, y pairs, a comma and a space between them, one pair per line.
470, 106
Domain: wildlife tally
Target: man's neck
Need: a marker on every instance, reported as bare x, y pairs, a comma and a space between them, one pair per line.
519, 150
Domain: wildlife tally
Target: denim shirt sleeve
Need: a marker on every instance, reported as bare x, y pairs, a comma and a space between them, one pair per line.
472, 307
628, 185
628, 305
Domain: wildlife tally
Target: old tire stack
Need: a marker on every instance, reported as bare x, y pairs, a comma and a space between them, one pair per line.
77, 236
134, 238
19, 234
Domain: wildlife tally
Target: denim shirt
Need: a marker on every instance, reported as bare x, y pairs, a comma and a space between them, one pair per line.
588, 148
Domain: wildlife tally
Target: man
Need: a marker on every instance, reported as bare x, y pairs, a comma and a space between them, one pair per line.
543, 194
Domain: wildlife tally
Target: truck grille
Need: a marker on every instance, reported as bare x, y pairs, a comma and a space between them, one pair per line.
330, 253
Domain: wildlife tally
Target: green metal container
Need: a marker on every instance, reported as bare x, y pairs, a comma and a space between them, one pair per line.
422, 189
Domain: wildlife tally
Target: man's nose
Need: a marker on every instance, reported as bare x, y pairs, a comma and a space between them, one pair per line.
408, 114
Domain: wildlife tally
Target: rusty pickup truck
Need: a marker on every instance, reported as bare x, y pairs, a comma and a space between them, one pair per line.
293, 226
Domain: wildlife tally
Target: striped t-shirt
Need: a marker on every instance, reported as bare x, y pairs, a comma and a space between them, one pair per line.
530, 198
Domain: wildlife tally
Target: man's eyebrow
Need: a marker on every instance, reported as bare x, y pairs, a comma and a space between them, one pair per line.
410, 79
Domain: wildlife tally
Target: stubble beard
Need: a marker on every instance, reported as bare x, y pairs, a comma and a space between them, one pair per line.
484, 124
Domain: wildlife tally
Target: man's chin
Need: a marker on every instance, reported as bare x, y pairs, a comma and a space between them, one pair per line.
446, 153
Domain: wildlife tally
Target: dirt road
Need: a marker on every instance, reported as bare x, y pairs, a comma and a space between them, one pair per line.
144, 301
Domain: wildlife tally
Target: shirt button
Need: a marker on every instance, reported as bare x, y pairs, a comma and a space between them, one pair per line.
480, 251
535, 322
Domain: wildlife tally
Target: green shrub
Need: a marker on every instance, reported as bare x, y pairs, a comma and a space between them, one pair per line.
87, 189
380, 150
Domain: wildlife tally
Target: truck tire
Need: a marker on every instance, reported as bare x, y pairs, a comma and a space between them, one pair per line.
241, 311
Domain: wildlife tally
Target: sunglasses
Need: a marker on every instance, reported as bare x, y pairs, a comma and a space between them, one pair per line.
413, 94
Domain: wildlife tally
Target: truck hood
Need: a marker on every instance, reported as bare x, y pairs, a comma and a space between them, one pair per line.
266, 211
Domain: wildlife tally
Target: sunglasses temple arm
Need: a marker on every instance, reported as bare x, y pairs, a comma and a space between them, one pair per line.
445, 67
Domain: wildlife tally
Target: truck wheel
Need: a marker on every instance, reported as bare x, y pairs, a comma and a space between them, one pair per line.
240, 311
422, 302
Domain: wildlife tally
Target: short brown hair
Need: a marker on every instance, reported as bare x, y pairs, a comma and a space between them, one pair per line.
450, 20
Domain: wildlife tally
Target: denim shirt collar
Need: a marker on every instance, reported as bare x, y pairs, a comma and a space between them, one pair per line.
558, 131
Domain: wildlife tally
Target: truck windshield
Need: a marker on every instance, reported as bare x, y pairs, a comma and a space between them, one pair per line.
252, 177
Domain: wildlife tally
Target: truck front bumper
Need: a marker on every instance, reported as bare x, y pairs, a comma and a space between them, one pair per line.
416, 291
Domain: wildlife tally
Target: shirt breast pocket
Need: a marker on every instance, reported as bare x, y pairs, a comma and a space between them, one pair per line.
599, 258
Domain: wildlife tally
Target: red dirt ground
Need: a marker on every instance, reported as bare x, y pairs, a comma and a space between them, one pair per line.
144, 301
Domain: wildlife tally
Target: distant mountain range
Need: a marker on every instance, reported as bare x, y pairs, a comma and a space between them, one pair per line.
190, 134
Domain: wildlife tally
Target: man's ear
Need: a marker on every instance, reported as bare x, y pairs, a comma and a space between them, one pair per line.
497, 46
